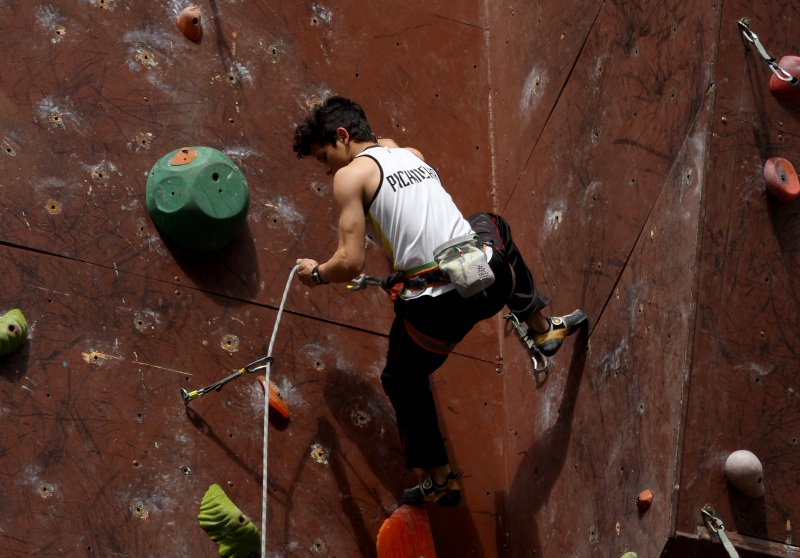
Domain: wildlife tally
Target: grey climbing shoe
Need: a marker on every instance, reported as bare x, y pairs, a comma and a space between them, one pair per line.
550, 341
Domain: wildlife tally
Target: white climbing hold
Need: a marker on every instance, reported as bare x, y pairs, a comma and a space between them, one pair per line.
745, 473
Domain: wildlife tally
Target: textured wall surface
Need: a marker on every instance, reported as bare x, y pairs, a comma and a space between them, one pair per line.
624, 142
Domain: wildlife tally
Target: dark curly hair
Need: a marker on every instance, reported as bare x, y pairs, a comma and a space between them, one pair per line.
320, 126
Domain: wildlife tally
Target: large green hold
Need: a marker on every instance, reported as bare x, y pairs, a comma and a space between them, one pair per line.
197, 197
236, 535
13, 332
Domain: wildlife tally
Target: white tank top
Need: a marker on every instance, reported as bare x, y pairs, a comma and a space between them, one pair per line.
411, 212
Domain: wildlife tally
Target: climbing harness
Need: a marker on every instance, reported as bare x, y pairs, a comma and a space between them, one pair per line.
253, 367
716, 526
417, 282
528, 340
780, 73
363, 281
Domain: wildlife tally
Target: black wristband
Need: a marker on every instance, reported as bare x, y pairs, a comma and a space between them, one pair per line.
315, 276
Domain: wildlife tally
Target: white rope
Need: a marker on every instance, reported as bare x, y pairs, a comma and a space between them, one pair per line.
266, 417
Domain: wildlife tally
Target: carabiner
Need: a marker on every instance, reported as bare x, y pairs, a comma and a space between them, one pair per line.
780, 73
714, 523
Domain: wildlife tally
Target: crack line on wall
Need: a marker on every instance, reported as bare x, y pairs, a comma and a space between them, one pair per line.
555, 104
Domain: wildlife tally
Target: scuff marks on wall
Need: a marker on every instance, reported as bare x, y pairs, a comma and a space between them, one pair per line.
51, 20
532, 89
96, 357
282, 214
321, 15
145, 319
553, 217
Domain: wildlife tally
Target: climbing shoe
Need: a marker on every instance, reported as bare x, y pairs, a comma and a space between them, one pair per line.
549, 342
447, 494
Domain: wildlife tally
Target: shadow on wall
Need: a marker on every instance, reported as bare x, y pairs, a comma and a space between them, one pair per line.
231, 271
364, 414
15, 366
541, 467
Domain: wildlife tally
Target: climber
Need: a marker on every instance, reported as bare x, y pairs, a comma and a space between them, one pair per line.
413, 215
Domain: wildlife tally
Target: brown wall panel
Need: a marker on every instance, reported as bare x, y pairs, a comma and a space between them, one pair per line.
605, 202
543, 45
743, 388
95, 429
606, 421
89, 111
614, 133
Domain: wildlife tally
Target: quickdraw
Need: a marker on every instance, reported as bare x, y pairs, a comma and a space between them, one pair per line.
716, 526
780, 73
255, 366
528, 340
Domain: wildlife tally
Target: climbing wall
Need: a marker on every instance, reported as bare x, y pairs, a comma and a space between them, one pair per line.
624, 142
605, 180
630, 148
100, 454
744, 384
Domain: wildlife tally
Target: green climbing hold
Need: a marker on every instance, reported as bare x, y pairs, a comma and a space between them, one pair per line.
197, 197
13, 332
629, 555
236, 535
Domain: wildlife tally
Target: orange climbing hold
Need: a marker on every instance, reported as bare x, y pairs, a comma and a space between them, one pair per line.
785, 90
189, 23
276, 400
406, 534
781, 179
644, 500
183, 157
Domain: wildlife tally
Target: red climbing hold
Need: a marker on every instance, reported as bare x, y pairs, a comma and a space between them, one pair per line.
785, 90
189, 23
781, 179
644, 500
406, 534
276, 400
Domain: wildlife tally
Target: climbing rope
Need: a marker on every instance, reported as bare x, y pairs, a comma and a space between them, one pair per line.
266, 414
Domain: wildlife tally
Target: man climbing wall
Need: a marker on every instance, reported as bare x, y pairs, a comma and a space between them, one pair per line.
452, 272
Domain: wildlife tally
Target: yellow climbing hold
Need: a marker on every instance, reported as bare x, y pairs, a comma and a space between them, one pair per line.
13, 332
227, 526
